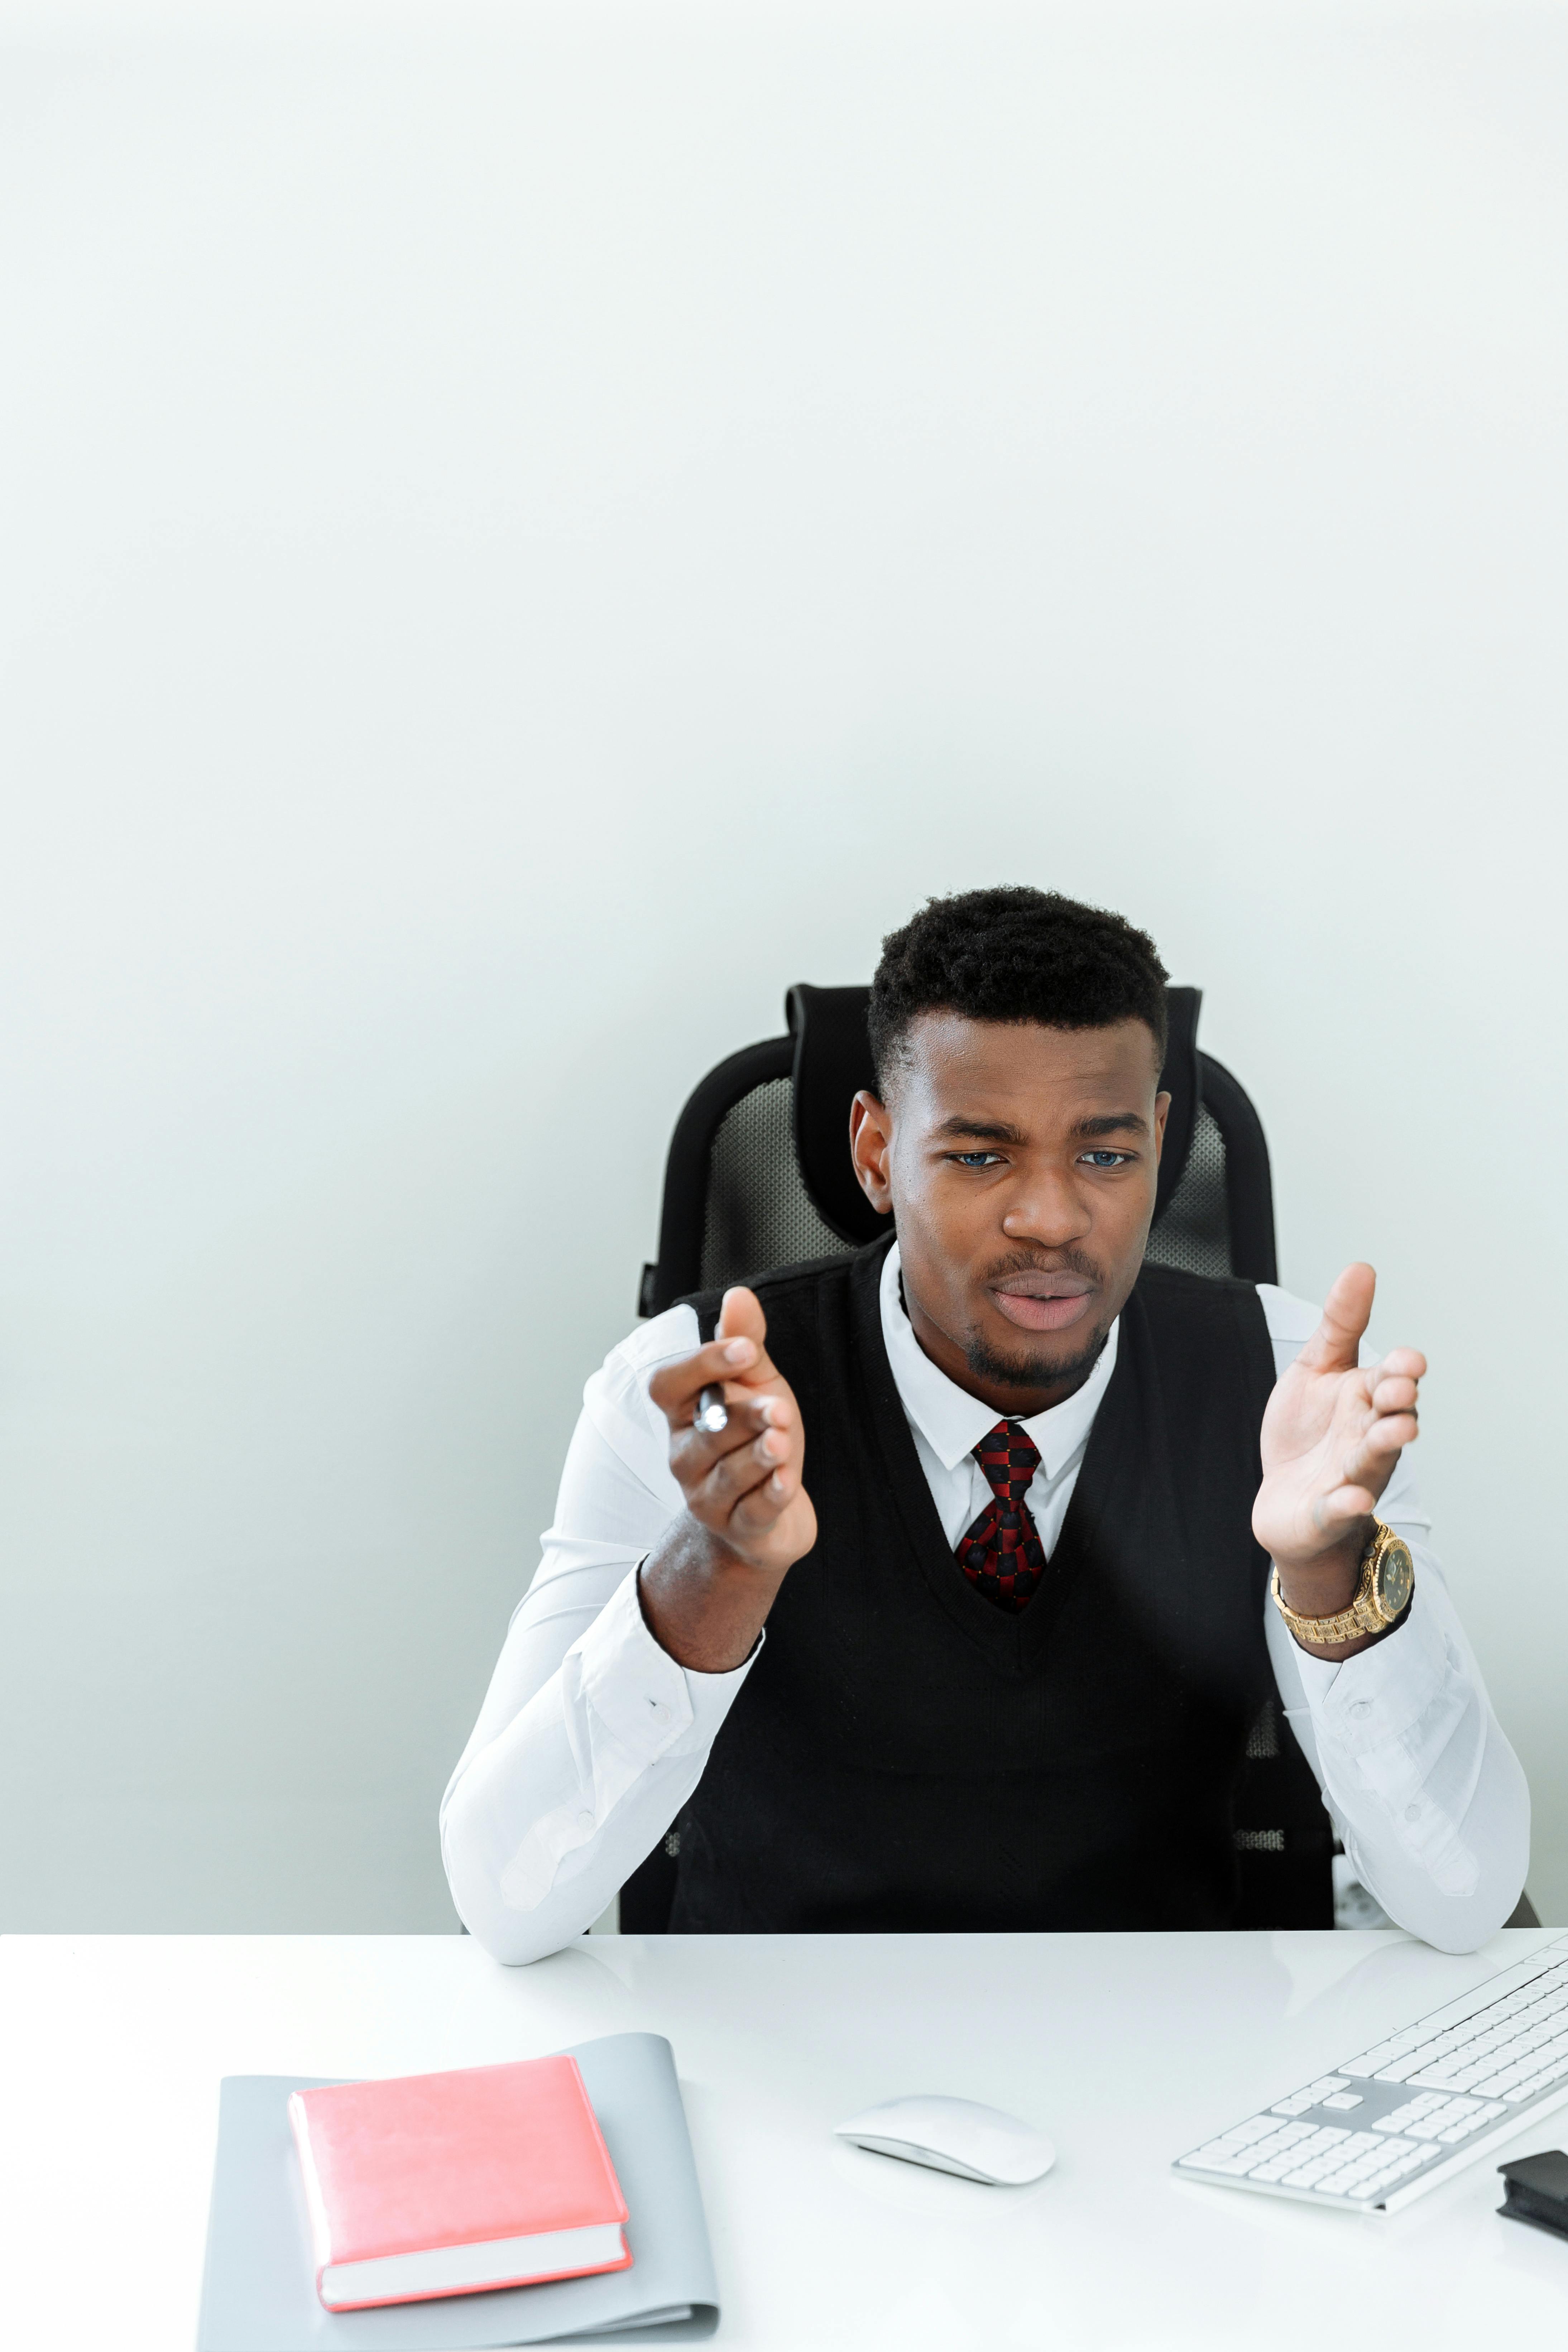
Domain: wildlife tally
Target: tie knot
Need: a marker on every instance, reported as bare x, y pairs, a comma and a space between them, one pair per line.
1009, 1458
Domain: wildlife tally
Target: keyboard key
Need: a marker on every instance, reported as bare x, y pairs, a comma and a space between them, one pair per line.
1225, 2154
1447, 2114
1342, 2099
1455, 2074
1428, 2104
1288, 2136
1354, 2176
1394, 2173
1451, 2078
1501, 2086
1312, 2162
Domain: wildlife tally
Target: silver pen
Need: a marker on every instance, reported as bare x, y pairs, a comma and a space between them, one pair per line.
712, 1415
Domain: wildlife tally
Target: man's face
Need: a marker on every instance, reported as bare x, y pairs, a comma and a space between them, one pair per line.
1020, 1164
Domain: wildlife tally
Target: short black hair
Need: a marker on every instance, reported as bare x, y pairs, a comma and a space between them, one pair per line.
1014, 954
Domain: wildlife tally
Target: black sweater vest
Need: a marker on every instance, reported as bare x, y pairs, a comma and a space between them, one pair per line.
904, 1755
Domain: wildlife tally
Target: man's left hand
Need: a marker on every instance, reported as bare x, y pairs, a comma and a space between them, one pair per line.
1331, 1435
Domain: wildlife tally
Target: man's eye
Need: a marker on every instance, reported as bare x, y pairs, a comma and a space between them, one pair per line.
1107, 1158
977, 1159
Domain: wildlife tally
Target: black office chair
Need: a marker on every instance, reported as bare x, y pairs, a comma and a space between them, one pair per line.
759, 1176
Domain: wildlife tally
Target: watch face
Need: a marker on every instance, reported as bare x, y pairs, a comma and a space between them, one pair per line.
1395, 1579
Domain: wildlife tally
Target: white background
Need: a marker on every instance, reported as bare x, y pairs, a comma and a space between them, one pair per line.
527, 530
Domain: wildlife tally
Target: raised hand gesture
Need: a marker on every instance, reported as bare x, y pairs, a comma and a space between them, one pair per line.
1331, 1435
710, 1583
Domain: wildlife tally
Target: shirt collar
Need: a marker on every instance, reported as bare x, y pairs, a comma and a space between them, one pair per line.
951, 1421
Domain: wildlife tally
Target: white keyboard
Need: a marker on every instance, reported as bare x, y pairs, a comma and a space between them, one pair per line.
1389, 2125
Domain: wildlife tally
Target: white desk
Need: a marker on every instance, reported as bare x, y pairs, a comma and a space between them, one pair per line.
1127, 2049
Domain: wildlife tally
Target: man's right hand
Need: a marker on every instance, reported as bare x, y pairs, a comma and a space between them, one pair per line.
708, 1585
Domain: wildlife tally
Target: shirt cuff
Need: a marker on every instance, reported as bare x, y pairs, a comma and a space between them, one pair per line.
1382, 1692
650, 1705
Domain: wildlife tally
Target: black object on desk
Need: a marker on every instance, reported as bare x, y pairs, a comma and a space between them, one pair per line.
1538, 2190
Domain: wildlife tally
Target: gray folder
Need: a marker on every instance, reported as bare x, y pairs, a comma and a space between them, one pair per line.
258, 2290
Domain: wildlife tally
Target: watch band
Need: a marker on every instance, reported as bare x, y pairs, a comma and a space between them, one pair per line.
1366, 1613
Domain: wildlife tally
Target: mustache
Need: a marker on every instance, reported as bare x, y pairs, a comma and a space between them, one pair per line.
1070, 1260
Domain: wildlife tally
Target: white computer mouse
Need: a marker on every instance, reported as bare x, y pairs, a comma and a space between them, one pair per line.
954, 2136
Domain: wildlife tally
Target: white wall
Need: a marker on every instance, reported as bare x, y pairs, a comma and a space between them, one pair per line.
532, 528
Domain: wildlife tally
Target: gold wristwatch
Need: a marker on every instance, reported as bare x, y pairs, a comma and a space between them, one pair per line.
1387, 1581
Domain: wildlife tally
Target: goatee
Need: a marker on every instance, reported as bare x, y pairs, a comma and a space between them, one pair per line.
1031, 1372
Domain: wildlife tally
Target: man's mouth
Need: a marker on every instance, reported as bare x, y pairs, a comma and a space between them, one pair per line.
1043, 1302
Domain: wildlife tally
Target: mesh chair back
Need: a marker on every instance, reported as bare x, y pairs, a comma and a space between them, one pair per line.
757, 1213
759, 1176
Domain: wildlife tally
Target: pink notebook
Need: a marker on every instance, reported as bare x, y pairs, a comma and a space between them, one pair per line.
447, 2184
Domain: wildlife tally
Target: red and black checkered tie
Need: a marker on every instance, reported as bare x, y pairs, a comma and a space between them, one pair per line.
1001, 1554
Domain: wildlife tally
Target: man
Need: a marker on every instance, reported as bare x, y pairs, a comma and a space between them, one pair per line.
962, 1620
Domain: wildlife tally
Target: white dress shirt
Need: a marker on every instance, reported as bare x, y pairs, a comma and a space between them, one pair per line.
591, 1738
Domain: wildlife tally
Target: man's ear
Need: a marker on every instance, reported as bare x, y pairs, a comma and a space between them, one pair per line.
1162, 1113
870, 1143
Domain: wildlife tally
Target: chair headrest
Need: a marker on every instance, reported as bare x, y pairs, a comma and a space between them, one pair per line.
1179, 1079
833, 1062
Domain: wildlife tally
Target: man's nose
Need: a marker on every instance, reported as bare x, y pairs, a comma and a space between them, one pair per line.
1049, 1209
